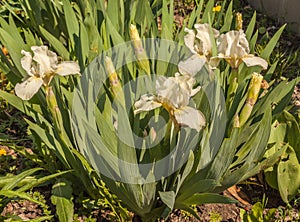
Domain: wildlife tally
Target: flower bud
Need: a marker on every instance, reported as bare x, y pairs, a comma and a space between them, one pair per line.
253, 91
140, 53
114, 82
239, 21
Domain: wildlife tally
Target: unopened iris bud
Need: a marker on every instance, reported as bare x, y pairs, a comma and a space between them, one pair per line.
239, 21
253, 92
113, 78
140, 53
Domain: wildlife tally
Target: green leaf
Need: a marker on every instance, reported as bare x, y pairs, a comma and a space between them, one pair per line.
195, 185
288, 175
14, 101
40, 219
187, 169
194, 16
14, 48
227, 19
228, 149
62, 199
253, 41
89, 38
23, 195
204, 198
55, 43
168, 198
112, 10
292, 131
71, 21
18, 178
279, 95
126, 148
113, 33
37, 182
271, 44
207, 14
167, 20
251, 26
84, 45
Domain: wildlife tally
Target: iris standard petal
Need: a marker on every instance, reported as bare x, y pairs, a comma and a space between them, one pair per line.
192, 65
188, 116
26, 61
203, 34
146, 103
28, 88
189, 40
173, 91
46, 59
252, 60
67, 68
233, 44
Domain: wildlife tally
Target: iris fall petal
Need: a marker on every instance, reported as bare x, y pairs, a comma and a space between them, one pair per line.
28, 88
188, 116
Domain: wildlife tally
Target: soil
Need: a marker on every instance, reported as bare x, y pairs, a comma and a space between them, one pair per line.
27, 210
251, 192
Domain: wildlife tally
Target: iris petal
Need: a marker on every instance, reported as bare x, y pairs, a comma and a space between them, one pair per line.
251, 60
26, 61
188, 116
146, 103
46, 59
67, 68
192, 65
28, 88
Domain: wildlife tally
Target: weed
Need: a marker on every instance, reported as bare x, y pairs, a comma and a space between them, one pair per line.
215, 216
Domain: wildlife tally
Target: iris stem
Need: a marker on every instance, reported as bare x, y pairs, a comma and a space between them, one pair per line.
233, 85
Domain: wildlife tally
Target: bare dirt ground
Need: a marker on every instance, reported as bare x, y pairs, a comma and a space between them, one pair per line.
250, 193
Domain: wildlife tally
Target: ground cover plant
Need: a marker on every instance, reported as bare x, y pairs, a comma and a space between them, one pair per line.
144, 116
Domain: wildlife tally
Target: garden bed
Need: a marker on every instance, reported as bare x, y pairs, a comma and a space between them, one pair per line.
249, 193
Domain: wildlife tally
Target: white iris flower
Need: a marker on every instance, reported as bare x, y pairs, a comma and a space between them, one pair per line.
174, 93
234, 48
40, 69
200, 43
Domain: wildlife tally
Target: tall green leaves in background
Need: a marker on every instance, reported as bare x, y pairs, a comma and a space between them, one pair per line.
232, 146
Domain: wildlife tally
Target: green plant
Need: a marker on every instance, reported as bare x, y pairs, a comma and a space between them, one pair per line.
285, 132
16, 186
116, 124
257, 212
215, 216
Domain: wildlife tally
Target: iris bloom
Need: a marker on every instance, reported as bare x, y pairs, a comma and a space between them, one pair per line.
173, 94
200, 43
234, 48
40, 69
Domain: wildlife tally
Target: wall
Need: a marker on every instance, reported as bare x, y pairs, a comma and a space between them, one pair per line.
281, 10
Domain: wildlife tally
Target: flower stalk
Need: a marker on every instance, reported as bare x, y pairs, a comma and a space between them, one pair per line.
140, 53
57, 116
253, 91
115, 85
233, 85
53, 108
